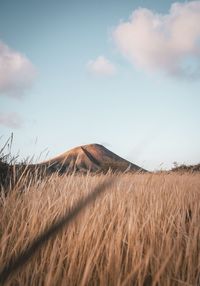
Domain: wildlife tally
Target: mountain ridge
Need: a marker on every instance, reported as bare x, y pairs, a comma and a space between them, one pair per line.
94, 158
91, 158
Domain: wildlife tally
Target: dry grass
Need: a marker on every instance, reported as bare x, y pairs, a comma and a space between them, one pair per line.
143, 231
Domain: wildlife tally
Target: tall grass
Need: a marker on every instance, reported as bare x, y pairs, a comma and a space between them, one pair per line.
143, 231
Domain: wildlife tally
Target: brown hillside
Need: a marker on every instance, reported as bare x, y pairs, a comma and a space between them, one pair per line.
93, 157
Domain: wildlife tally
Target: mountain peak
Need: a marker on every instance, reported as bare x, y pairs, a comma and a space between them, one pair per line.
94, 158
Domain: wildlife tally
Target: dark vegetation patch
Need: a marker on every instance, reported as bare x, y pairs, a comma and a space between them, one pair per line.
186, 168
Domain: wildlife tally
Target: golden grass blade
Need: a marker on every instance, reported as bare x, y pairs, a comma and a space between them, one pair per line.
14, 264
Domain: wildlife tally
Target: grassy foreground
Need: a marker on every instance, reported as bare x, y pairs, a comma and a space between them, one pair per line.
144, 230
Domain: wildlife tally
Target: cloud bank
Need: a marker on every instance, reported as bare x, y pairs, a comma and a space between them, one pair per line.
158, 42
101, 66
11, 120
16, 72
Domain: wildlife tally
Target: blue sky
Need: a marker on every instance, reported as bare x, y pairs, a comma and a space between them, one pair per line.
88, 72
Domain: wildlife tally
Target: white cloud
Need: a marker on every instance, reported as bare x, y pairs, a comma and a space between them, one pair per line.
101, 66
11, 120
16, 72
168, 43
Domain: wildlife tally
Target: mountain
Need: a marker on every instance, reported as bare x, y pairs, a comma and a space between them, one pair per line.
94, 158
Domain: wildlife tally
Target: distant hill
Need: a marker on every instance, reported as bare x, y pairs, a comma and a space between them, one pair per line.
94, 158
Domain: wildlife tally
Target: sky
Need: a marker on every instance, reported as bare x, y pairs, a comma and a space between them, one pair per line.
125, 74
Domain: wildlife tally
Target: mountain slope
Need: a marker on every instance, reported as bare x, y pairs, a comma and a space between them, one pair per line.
93, 157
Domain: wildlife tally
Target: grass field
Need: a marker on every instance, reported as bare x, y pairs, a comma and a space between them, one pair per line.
144, 230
